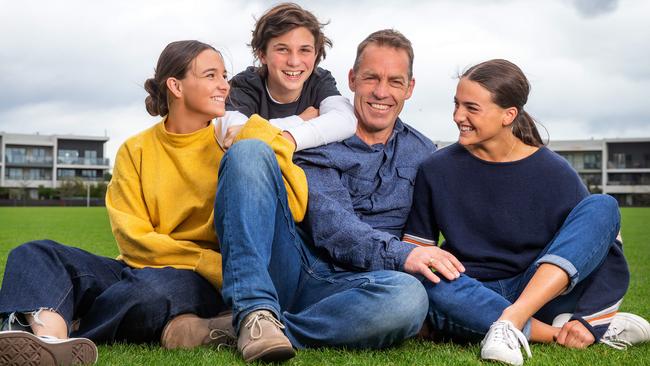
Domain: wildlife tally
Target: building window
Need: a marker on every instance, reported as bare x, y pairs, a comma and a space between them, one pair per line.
618, 160
25, 174
14, 173
89, 173
90, 157
40, 174
592, 160
65, 173
68, 156
629, 179
16, 155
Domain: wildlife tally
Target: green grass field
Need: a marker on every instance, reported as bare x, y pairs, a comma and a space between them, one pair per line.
88, 228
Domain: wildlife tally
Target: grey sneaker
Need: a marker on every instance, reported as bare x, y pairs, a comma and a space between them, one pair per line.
626, 330
23, 348
261, 338
12, 322
189, 331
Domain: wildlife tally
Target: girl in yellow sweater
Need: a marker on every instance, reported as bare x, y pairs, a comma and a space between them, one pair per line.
57, 300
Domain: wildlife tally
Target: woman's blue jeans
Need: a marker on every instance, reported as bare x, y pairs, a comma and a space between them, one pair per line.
466, 307
112, 301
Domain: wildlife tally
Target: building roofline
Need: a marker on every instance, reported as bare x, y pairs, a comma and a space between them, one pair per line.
54, 136
627, 139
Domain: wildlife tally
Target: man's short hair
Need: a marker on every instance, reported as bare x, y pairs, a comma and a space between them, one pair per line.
386, 38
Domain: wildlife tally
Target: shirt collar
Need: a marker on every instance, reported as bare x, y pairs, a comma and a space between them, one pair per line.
356, 142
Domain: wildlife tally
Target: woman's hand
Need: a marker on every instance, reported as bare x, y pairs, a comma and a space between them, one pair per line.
574, 335
429, 260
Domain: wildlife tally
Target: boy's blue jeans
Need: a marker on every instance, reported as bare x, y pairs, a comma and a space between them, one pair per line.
466, 307
113, 301
266, 265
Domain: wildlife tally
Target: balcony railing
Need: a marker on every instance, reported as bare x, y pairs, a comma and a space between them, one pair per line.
82, 161
28, 160
28, 178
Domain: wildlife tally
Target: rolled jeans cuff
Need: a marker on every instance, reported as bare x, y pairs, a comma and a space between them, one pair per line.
565, 265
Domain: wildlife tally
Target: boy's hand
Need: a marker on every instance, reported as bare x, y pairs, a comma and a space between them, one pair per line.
231, 133
309, 113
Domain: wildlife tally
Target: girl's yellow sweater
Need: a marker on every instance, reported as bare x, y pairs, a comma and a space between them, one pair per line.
160, 200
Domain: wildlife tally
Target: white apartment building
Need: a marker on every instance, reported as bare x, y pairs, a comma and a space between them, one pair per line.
28, 161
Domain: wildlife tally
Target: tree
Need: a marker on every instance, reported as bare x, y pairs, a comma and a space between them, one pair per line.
47, 193
73, 187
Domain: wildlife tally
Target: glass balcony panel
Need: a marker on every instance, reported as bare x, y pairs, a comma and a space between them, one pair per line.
82, 161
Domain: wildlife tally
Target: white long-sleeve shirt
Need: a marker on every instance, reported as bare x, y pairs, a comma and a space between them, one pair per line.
249, 95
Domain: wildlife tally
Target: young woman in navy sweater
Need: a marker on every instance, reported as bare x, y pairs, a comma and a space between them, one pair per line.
525, 242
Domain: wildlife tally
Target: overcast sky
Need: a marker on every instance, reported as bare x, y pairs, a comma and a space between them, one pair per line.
77, 67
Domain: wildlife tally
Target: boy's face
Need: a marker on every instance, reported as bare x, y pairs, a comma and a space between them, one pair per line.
290, 60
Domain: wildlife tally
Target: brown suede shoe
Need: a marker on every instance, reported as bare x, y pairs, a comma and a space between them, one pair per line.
261, 338
426, 332
189, 331
23, 348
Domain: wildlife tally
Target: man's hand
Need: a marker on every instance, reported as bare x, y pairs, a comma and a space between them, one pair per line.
309, 113
426, 260
575, 335
231, 133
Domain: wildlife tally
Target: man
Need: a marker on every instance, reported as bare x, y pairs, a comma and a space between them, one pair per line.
360, 189
285, 293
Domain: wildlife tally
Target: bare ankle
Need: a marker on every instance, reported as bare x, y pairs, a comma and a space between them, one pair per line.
515, 316
45, 322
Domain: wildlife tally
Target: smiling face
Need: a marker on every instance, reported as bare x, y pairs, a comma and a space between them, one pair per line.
381, 85
480, 120
290, 60
205, 87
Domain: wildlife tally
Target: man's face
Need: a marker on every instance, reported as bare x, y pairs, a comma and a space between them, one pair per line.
381, 84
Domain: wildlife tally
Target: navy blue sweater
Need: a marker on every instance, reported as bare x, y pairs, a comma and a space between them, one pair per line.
496, 218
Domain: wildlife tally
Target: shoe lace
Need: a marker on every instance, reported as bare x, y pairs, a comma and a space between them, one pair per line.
612, 339
225, 338
506, 332
254, 324
12, 322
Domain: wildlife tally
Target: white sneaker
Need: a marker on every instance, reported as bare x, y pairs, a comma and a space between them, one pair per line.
626, 330
502, 343
23, 348
560, 320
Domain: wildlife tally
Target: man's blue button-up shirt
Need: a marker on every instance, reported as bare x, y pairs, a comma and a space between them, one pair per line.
360, 197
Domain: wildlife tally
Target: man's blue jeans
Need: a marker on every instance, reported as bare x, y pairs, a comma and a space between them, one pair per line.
466, 307
113, 301
266, 265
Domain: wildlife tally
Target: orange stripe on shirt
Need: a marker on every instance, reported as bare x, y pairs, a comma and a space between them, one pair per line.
602, 317
413, 241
